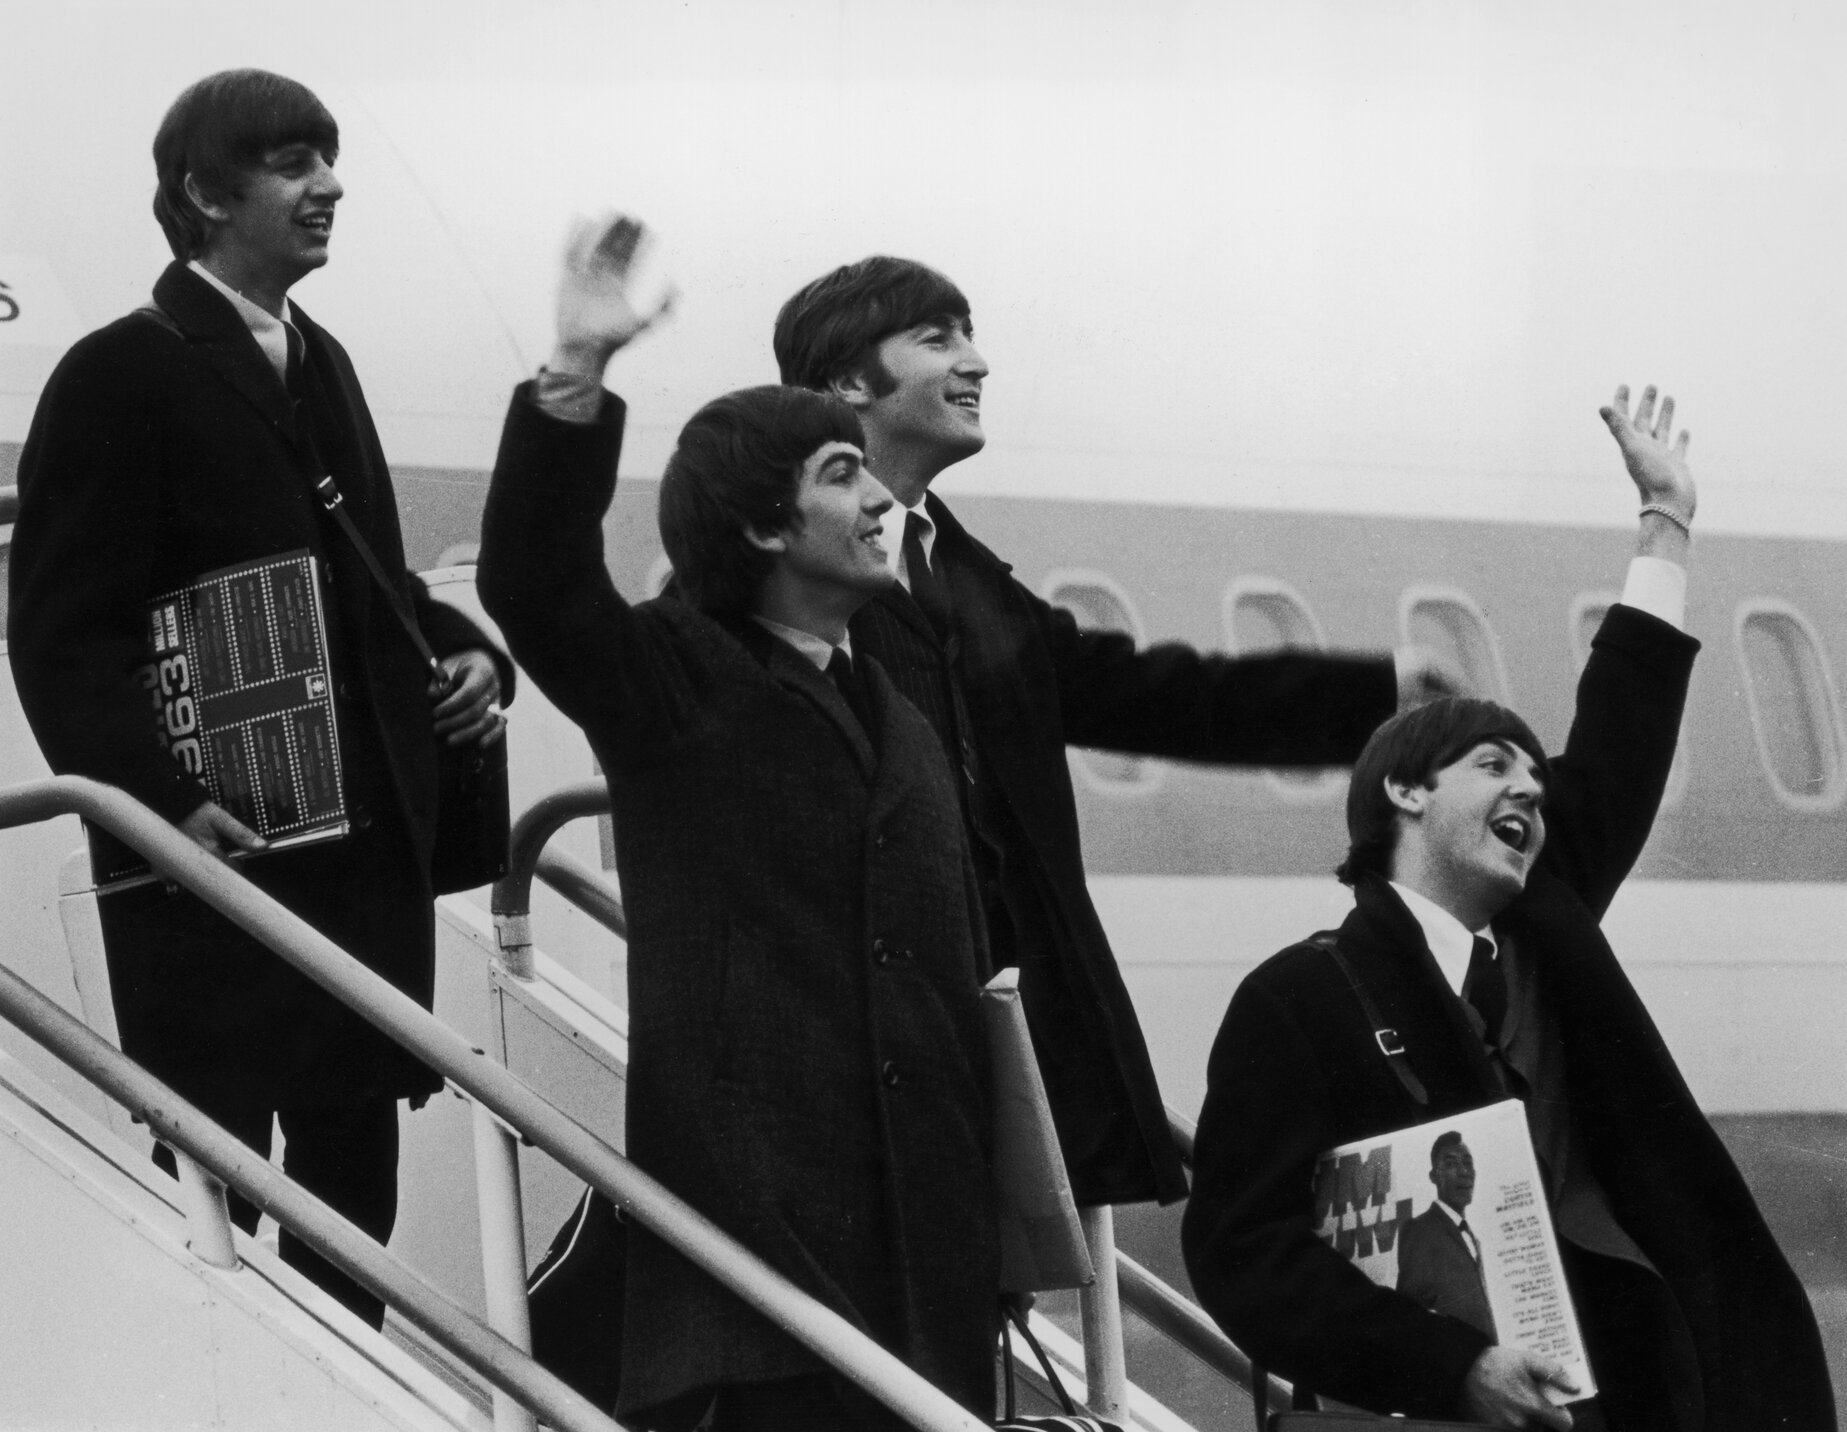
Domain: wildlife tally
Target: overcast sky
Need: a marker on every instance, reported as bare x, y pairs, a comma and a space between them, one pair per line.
1369, 256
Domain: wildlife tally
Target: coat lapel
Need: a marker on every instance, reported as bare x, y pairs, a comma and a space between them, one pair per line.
796, 673
1381, 924
220, 336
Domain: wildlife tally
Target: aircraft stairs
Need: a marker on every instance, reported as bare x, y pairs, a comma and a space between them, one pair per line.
133, 1302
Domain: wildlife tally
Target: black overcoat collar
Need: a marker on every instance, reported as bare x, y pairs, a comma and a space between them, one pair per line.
796, 673
215, 328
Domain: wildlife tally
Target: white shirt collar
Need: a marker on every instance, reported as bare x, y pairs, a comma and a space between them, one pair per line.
1449, 939
270, 332
817, 650
891, 535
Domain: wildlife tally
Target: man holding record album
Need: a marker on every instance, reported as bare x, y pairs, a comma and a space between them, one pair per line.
1473, 970
182, 439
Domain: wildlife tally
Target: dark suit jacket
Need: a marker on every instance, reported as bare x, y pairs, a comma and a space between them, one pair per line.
1295, 1070
1437, 1269
155, 456
1024, 682
806, 1062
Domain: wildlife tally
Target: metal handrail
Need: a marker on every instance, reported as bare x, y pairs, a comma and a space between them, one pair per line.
585, 888
1184, 1131
512, 896
176, 1122
1170, 1312
675, 1223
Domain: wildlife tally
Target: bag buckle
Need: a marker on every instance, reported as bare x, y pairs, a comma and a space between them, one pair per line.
1390, 1045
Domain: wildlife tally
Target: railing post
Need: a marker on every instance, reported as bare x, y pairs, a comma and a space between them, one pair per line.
1106, 1375
503, 1250
208, 1218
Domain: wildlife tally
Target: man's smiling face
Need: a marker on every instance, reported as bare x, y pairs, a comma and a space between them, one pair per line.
834, 539
933, 405
1483, 824
280, 223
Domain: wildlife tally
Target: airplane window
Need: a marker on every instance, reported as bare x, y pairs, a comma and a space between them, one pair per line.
1587, 613
1098, 604
1449, 621
1263, 615
1794, 711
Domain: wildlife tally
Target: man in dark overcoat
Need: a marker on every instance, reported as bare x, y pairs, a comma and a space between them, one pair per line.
188, 437
806, 1063
1007, 681
1439, 1255
1481, 871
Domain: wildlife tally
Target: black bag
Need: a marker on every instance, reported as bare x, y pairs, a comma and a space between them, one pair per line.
473, 809
1011, 1420
575, 1296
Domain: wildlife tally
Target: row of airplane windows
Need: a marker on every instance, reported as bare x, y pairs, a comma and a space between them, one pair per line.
1789, 687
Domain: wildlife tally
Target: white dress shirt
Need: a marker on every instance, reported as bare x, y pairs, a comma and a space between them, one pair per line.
816, 649
270, 332
892, 537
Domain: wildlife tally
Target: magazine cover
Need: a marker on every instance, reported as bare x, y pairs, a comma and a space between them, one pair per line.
242, 697
1452, 1213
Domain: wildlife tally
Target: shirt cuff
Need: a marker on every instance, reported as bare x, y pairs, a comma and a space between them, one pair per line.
1658, 587
569, 397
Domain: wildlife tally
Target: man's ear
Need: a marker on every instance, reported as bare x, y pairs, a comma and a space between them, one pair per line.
768, 539
854, 388
1409, 797
211, 208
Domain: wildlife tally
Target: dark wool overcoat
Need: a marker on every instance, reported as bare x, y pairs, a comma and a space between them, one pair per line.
1010, 685
806, 1060
156, 456
1295, 1070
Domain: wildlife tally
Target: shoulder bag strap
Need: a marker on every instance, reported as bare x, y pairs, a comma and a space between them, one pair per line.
1383, 1035
1018, 1319
329, 493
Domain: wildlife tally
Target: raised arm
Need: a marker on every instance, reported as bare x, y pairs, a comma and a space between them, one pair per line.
1607, 786
542, 574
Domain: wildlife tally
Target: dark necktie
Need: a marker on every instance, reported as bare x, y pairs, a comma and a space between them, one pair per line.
1485, 987
926, 588
297, 352
840, 671
1468, 1240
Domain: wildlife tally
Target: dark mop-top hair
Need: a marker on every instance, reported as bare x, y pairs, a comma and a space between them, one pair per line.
220, 128
735, 469
833, 326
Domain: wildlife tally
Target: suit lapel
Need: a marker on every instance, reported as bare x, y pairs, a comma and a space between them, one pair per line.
796, 673
220, 336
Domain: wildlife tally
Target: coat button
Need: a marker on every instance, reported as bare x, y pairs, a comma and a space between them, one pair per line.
880, 952
362, 819
889, 1073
